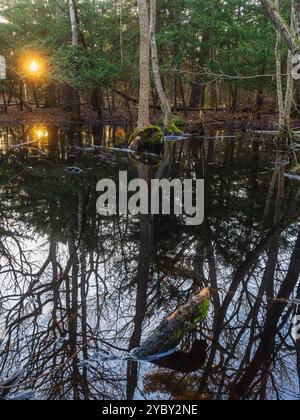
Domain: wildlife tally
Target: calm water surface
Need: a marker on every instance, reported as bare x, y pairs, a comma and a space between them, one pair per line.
78, 291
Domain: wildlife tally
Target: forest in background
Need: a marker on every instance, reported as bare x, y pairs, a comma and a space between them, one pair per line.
212, 54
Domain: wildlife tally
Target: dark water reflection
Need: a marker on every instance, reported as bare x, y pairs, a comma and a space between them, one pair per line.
77, 289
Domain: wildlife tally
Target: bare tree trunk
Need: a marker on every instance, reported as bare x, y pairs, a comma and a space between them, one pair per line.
4, 101
74, 25
290, 81
35, 96
50, 96
181, 87
289, 94
144, 100
198, 87
75, 44
284, 103
164, 102
297, 18
279, 79
280, 24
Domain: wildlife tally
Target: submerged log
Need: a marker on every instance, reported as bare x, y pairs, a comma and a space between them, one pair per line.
172, 329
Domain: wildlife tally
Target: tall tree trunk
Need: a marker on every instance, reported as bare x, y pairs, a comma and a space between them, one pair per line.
96, 101
74, 25
297, 31
50, 96
214, 95
4, 101
66, 97
284, 103
260, 99
144, 100
297, 18
75, 44
164, 102
181, 87
289, 94
278, 78
198, 88
233, 92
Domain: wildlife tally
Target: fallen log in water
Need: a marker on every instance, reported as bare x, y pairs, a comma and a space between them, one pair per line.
172, 329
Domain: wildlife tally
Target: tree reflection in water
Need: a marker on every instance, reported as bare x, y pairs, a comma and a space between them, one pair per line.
79, 290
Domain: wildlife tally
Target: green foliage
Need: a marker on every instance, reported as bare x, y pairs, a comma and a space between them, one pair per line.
204, 308
180, 122
203, 312
237, 41
173, 129
177, 126
45, 27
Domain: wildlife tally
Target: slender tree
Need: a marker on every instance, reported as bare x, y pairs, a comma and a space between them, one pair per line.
164, 102
144, 98
284, 103
75, 45
74, 24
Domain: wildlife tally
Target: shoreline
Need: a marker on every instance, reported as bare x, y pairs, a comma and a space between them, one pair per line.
212, 119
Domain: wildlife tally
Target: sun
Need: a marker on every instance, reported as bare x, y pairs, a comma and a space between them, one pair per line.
34, 66
40, 133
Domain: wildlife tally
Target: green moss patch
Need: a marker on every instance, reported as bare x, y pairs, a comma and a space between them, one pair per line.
180, 122
191, 325
148, 139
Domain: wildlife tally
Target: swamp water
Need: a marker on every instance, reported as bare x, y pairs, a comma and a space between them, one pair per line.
78, 291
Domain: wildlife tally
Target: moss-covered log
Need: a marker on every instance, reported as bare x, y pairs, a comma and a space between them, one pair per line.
149, 139
177, 125
172, 329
